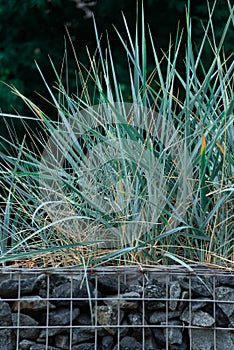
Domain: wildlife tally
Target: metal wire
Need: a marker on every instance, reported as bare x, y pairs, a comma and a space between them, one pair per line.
127, 275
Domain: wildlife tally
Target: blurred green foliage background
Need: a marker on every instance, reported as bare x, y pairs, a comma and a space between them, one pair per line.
33, 30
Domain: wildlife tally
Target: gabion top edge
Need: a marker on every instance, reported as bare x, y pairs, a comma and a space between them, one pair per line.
139, 269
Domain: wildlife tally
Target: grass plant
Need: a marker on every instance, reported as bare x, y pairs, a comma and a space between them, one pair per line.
142, 180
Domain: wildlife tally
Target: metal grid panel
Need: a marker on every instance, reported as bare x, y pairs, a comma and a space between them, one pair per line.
94, 302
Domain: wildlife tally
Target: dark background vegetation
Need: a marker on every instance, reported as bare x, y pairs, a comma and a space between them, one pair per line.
33, 30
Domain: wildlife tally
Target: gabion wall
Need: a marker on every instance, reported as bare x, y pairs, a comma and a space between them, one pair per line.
117, 309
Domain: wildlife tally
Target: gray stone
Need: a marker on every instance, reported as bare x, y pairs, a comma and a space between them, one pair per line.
128, 303
31, 332
50, 332
159, 336
198, 318
7, 339
199, 286
110, 285
84, 319
183, 346
136, 288
135, 319
76, 289
26, 344
108, 315
107, 343
62, 341
203, 339
227, 280
220, 317
5, 314
174, 292
123, 300
183, 303
136, 331
85, 346
150, 343
124, 329
221, 320
32, 304
160, 316
174, 334
101, 332
202, 319
81, 335
198, 304
131, 295
155, 290
231, 320
130, 343
10, 288
54, 280
225, 294
62, 316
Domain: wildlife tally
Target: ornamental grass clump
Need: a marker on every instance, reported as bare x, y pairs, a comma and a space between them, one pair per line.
143, 180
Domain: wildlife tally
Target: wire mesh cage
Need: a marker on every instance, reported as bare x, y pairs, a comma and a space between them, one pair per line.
117, 308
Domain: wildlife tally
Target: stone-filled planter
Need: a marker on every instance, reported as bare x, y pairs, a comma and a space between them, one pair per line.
120, 308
